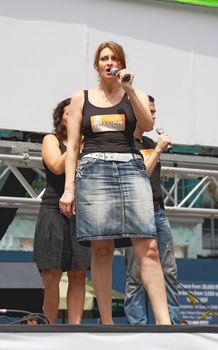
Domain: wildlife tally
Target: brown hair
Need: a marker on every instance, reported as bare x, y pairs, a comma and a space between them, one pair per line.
59, 129
116, 48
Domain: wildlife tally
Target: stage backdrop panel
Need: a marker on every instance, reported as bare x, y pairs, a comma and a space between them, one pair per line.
47, 50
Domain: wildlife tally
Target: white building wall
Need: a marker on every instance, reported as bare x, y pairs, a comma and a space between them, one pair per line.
47, 49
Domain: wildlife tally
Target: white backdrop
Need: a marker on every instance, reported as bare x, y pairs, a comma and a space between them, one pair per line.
47, 49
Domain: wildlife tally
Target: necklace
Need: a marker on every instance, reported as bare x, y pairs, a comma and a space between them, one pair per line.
107, 97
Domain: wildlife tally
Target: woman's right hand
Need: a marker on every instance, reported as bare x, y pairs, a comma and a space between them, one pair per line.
67, 203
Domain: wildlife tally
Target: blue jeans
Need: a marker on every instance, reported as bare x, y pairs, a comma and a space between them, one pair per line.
136, 299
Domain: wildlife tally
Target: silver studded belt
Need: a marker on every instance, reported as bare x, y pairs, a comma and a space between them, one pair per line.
113, 157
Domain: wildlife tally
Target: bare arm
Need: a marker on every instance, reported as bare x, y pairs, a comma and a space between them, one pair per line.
140, 104
74, 120
52, 156
139, 101
151, 161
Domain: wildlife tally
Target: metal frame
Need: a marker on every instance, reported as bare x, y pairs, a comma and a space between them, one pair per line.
11, 162
173, 205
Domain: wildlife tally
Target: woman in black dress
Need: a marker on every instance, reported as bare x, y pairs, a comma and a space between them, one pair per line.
55, 246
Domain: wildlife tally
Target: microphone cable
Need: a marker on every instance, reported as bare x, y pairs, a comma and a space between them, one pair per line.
29, 316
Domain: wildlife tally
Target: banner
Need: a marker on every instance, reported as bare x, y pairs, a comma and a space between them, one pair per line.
209, 3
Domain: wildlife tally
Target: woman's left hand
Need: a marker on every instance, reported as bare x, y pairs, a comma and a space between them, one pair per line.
67, 204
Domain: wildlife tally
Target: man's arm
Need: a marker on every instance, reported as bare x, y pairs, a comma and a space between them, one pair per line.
152, 160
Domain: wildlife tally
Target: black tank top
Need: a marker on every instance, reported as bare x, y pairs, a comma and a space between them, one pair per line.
108, 129
54, 185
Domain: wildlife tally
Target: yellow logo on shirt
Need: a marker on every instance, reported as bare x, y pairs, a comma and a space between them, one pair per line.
108, 122
146, 152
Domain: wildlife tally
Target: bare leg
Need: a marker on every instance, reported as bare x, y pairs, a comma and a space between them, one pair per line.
76, 295
51, 279
101, 269
152, 277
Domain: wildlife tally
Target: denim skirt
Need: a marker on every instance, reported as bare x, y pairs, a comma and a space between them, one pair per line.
113, 201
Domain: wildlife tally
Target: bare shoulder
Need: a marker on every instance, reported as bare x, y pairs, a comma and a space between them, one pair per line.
93, 90
50, 139
78, 97
50, 148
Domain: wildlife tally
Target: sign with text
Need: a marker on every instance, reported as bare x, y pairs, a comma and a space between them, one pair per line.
199, 302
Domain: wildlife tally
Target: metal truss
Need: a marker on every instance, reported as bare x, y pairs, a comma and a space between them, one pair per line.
188, 203
177, 200
13, 163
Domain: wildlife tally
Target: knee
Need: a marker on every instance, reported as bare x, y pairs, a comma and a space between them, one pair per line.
77, 275
102, 254
152, 252
50, 276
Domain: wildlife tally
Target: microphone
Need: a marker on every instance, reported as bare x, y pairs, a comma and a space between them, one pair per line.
160, 131
126, 77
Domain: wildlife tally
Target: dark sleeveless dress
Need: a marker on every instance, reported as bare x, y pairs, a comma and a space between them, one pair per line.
55, 244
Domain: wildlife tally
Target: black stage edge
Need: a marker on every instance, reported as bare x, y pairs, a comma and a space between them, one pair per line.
107, 329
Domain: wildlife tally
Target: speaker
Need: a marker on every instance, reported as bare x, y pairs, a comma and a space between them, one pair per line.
21, 287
